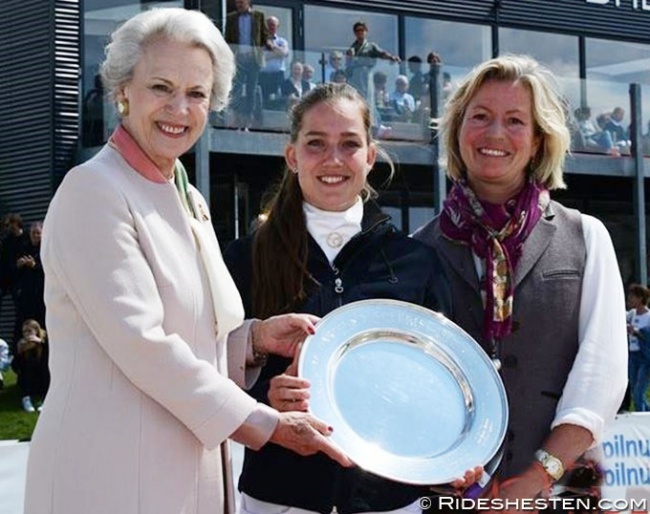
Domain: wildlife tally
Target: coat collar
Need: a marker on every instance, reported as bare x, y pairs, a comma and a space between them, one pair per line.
128, 148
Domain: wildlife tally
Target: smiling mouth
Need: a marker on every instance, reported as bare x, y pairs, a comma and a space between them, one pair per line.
332, 179
492, 152
169, 129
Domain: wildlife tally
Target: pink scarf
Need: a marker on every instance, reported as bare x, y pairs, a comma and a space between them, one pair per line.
495, 233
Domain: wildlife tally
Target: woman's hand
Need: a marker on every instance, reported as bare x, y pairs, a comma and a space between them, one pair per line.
471, 477
306, 435
282, 334
287, 392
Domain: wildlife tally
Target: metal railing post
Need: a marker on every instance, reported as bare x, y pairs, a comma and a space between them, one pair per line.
639, 184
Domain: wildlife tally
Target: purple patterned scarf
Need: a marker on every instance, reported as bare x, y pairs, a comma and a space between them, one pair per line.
495, 233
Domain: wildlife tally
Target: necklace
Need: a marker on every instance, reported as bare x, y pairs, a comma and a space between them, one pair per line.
334, 240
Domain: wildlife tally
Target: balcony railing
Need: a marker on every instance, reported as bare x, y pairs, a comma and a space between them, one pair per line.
598, 111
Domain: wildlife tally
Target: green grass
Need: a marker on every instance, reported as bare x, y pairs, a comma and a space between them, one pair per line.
15, 423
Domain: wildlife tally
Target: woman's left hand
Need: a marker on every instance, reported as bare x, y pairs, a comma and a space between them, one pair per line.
283, 334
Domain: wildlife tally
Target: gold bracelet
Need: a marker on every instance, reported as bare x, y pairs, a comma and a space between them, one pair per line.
260, 358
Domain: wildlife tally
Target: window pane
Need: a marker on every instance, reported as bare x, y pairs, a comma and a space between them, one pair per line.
557, 52
611, 67
461, 46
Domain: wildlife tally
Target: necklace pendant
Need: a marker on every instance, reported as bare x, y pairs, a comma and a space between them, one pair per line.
334, 240
497, 363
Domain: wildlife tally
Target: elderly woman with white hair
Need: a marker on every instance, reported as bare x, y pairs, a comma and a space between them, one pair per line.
145, 321
401, 100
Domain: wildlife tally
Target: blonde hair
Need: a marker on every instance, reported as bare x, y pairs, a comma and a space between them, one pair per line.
35, 325
548, 108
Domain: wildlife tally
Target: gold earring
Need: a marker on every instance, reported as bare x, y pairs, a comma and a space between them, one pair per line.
123, 107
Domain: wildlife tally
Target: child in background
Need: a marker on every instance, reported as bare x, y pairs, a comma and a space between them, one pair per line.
5, 360
31, 363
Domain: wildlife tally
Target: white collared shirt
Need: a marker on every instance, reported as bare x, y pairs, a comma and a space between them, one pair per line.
332, 229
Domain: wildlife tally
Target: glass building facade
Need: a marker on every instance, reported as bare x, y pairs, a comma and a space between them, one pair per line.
598, 50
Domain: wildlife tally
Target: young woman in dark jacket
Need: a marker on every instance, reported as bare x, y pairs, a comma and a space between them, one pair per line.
324, 245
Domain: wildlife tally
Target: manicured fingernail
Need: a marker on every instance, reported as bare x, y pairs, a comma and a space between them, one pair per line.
330, 429
311, 330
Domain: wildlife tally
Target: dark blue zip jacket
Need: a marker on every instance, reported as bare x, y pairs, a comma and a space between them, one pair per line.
379, 262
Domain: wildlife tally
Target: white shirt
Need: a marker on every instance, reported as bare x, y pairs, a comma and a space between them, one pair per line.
332, 230
638, 321
602, 352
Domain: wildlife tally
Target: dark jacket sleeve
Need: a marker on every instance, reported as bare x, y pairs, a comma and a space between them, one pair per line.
232, 29
438, 296
260, 31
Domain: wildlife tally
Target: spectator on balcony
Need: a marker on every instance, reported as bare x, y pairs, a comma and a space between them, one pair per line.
419, 82
645, 141
381, 96
334, 64
308, 76
275, 58
590, 135
619, 133
401, 101
294, 86
246, 32
339, 77
362, 57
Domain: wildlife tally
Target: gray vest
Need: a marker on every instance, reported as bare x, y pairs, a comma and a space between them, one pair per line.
538, 355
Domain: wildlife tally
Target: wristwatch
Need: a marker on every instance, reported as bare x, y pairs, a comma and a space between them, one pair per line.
551, 464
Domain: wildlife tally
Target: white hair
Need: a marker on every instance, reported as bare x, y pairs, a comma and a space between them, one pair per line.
175, 24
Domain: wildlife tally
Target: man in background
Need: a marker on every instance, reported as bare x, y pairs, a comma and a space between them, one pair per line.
246, 32
275, 58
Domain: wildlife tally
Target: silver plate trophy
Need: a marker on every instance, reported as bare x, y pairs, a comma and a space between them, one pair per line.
411, 396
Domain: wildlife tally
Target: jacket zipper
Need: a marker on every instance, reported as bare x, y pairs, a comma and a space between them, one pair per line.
338, 285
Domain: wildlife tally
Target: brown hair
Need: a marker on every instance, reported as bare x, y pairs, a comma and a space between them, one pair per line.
640, 292
32, 323
281, 280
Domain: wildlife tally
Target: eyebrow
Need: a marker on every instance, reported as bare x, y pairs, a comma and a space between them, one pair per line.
170, 83
487, 108
318, 133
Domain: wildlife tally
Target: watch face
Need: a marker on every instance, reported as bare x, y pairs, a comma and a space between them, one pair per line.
552, 467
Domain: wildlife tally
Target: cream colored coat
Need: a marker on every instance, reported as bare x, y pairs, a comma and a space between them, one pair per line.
139, 402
